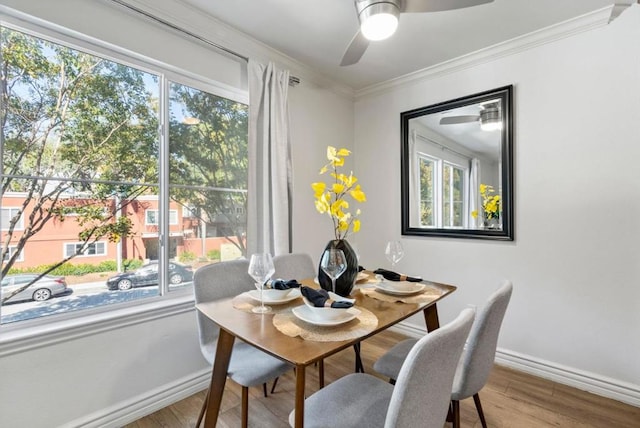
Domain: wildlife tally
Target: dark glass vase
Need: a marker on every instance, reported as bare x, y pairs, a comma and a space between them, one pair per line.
345, 282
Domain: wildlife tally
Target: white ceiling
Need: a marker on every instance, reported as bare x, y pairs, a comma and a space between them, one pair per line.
316, 32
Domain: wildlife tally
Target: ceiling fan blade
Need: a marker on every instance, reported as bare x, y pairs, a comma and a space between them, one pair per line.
454, 120
356, 49
438, 5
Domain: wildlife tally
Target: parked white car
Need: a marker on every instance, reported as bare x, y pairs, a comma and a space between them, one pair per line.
42, 289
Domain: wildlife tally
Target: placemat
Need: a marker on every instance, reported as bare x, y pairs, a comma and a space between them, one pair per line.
246, 304
429, 294
361, 325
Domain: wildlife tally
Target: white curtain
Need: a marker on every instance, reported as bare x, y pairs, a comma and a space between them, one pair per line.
474, 194
270, 176
414, 181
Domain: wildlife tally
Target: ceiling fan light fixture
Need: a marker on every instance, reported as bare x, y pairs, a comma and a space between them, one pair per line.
490, 119
379, 21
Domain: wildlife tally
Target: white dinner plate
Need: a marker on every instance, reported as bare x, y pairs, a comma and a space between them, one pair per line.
307, 314
294, 294
400, 288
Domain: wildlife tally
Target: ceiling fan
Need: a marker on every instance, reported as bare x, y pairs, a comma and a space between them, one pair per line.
379, 20
490, 117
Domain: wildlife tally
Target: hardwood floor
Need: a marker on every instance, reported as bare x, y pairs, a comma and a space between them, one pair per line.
510, 399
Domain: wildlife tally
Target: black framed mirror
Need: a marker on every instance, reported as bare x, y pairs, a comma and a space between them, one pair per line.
457, 167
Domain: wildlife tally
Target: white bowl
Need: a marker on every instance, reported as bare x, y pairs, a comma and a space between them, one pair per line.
273, 294
320, 317
326, 313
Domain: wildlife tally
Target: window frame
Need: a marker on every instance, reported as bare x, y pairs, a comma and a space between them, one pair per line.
173, 217
85, 253
438, 190
20, 224
465, 194
11, 251
27, 334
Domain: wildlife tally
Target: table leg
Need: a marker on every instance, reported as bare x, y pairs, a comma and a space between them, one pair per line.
218, 377
300, 384
431, 317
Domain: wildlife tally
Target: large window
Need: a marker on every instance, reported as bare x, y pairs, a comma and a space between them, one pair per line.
103, 158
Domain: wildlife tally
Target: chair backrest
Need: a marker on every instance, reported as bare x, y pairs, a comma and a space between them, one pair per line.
294, 266
213, 282
479, 353
423, 388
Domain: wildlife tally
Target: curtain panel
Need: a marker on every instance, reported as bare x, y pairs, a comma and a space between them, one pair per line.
270, 169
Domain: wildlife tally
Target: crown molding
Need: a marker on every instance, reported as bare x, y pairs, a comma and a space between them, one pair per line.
587, 22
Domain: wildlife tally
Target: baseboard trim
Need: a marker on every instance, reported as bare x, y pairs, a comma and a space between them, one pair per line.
586, 381
597, 384
135, 408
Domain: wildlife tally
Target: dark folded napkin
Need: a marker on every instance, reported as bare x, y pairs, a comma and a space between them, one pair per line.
394, 276
281, 284
320, 298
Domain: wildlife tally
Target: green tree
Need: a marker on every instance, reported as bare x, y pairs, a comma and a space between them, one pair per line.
76, 131
208, 161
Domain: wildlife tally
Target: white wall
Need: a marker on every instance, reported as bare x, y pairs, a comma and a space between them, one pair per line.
325, 121
107, 377
575, 309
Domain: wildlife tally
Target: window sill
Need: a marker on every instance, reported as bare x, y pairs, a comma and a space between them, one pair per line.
45, 332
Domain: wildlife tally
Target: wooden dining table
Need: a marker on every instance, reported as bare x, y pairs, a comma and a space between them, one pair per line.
259, 331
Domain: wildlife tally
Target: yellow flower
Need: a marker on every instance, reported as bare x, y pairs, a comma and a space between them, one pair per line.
338, 188
318, 188
331, 199
358, 194
490, 203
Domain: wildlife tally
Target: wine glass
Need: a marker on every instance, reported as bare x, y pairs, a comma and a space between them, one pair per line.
261, 268
394, 252
333, 263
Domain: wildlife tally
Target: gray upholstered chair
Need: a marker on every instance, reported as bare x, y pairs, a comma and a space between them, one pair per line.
363, 400
294, 266
248, 366
477, 358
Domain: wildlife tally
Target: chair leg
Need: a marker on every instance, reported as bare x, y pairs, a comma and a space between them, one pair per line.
359, 365
476, 399
321, 373
245, 406
455, 409
264, 389
275, 382
202, 410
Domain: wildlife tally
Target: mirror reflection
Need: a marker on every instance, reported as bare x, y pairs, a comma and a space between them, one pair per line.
456, 167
